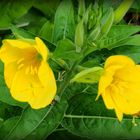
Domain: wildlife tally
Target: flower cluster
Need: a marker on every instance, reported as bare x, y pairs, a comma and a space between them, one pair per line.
30, 79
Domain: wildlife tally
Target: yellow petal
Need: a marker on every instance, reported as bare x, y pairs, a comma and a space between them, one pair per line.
108, 99
21, 44
104, 82
22, 87
9, 54
28, 88
46, 76
129, 90
132, 91
129, 74
119, 114
122, 103
118, 61
9, 73
22, 95
42, 97
41, 48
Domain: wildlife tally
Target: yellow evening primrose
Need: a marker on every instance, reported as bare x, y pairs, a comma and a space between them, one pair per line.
119, 85
27, 72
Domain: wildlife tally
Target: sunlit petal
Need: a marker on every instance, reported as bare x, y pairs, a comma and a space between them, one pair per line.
42, 97
9, 73
46, 76
41, 48
9, 54
116, 62
22, 87
108, 99
104, 82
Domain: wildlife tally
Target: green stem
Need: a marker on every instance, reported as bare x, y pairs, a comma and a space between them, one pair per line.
67, 79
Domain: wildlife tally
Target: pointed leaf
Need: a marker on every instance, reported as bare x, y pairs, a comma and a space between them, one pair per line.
64, 21
38, 124
66, 49
117, 36
89, 75
89, 118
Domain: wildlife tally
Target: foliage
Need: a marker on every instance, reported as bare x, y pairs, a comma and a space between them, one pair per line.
80, 36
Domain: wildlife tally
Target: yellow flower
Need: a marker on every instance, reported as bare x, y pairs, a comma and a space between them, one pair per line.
27, 73
119, 85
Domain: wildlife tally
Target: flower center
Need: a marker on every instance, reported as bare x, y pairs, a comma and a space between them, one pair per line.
30, 62
39, 57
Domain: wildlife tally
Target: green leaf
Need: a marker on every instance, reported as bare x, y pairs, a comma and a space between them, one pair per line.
107, 21
136, 6
32, 21
122, 10
21, 33
66, 49
133, 40
7, 126
89, 118
10, 11
89, 75
7, 111
38, 124
113, 4
94, 62
64, 25
5, 95
47, 7
34, 27
123, 30
130, 48
117, 36
1, 122
62, 134
46, 31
